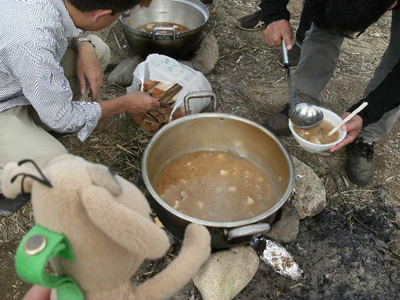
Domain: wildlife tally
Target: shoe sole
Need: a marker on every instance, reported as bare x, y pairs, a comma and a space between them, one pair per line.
355, 181
248, 29
10, 206
280, 132
282, 65
4, 213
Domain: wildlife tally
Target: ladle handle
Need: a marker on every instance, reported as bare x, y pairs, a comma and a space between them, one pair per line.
360, 108
286, 62
253, 230
197, 95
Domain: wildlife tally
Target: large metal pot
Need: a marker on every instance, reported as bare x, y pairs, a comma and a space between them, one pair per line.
165, 40
218, 132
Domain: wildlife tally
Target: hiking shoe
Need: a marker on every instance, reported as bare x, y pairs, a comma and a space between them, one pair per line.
251, 22
279, 123
294, 55
360, 165
10, 206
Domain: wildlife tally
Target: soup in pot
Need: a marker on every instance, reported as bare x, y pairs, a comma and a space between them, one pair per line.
216, 186
150, 26
318, 134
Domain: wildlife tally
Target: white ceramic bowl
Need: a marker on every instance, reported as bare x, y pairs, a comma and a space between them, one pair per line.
332, 118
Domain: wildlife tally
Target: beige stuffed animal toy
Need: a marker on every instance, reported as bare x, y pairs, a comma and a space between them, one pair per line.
108, 222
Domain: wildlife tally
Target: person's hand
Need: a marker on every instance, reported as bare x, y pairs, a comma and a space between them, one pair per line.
140, 103
278, 30
353, 128
37, 292
89, 68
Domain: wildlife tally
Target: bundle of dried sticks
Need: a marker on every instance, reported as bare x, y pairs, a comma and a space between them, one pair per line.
166, 94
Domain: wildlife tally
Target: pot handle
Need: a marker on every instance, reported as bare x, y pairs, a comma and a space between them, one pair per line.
163, 36
255, 229
199, 94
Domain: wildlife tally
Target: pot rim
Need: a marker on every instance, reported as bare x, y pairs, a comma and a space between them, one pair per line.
203, 9
188, 218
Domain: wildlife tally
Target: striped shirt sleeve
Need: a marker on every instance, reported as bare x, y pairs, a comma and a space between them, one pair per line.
47, 89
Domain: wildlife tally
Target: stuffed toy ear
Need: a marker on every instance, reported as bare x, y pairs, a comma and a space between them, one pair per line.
13, 177
104, 177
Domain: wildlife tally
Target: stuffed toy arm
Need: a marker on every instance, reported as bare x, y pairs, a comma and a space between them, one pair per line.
194, 253
123, 225
140, 235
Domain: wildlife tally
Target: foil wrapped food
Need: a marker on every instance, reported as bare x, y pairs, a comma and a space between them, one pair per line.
278, 258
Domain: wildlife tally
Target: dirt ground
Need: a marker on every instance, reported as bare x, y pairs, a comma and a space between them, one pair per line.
349, 251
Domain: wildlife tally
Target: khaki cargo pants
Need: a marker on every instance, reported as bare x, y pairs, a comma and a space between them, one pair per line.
23, 136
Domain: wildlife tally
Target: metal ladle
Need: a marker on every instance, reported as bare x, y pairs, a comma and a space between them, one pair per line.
302, 115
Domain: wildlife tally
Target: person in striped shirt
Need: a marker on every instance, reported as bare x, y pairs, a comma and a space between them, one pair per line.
47, 61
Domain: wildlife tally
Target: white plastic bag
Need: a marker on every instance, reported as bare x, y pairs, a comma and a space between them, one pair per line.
168, 70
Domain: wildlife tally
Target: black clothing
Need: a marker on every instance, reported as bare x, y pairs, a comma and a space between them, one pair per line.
304, 26
275, 10
381, 100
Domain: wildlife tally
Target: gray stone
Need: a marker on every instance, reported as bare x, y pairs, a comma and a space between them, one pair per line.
226, 273
310, 196
123, 73
206, 57
286, 229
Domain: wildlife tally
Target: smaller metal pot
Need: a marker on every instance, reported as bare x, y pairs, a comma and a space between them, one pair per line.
218, 132
166, 40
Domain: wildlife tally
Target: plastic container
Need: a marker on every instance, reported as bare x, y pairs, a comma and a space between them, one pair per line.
332, 118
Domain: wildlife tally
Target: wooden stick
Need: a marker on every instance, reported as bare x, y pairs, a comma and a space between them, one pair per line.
170, 93
360, 108
149, 90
